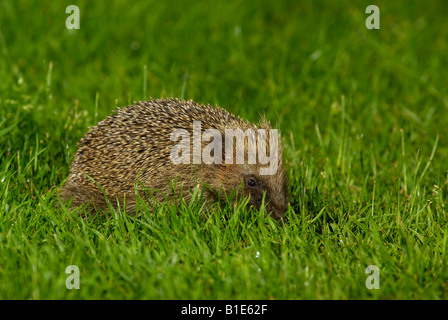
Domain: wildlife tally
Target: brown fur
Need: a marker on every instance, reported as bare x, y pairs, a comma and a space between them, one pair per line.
134, 144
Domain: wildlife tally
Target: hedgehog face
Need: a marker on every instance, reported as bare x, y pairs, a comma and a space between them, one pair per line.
272, 188
255, 186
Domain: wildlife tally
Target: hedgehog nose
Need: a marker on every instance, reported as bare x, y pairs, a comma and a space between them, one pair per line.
277, 212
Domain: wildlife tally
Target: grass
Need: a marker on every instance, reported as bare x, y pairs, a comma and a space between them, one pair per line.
362, 112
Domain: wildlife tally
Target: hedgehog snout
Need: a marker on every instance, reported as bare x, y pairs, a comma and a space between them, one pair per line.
276, 211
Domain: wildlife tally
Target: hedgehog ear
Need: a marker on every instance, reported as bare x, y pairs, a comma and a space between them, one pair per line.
225, 171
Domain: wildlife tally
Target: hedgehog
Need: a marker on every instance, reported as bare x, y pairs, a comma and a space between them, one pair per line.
135, 150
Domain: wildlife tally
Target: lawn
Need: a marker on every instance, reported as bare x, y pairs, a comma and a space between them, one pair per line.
363, 115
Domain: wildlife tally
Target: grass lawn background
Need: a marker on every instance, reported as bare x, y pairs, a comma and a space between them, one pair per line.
363, 114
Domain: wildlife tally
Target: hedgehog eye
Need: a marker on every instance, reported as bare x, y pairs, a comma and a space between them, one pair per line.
251, 182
